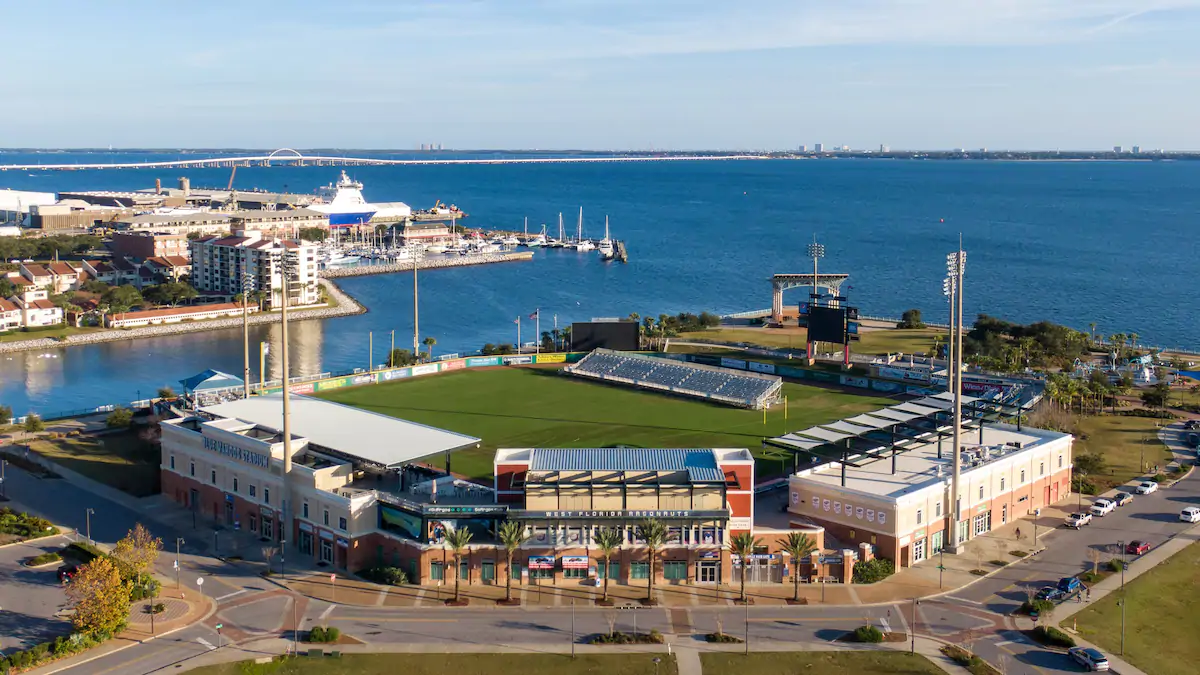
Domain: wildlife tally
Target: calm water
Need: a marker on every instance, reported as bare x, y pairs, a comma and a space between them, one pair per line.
1110, 243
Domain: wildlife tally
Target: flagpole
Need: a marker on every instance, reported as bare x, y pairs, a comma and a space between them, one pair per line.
537, 331
518, 333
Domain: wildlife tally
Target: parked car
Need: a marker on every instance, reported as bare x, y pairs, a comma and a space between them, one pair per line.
1122, 498
1136, 547
1088, 657
1070, 586
66, 573
1078, 520
1190, 515
1193, 440
1146, 487
1191, 424
1102, 507
1050, 593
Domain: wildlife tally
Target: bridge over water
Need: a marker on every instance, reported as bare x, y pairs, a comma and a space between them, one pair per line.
290, 157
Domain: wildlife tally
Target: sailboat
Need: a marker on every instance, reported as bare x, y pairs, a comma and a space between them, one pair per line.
582, 245
558, 243
606, 245
538, 239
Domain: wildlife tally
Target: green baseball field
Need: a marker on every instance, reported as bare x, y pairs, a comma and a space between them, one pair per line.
542, 407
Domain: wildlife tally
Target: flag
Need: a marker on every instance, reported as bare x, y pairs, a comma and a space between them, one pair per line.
535, 316
517, 321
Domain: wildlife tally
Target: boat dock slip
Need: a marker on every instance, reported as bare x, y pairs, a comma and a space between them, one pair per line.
622, 252
428, 263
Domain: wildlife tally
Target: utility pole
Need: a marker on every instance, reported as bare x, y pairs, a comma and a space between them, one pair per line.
87, 514
913, 649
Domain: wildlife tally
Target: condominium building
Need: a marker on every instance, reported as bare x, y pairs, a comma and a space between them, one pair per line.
227, 265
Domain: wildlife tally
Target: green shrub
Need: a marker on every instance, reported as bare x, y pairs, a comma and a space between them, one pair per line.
722, 638
1049, 635
1018, 554
999, 563
1089, 577
1116, 564
332, 633
391, 576
873, 570
82, 552
868, 634
43, 559
316, 634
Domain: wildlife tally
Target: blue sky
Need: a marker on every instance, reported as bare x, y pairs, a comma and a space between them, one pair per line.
602, 73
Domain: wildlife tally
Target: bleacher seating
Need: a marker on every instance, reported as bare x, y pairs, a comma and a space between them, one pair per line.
708, 382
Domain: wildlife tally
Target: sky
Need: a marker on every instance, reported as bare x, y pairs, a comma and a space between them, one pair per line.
602, 74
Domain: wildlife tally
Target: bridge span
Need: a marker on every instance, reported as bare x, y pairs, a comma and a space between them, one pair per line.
289, 157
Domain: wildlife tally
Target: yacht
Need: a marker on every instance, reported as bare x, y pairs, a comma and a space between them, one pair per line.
605, 246
343, 202
582, 244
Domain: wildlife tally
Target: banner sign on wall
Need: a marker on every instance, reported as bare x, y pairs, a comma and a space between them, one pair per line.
762, 367
477, 361
427, 369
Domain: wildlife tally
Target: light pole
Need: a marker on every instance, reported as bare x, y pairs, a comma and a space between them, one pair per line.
416, 332
178, 542
816, 252
956, 265
572, 629
913, 649
282, 550
87, 514
247, 285
747, 640
3, 489
1082, 475
657, 661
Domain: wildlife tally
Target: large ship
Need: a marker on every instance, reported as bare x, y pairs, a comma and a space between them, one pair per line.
344, 203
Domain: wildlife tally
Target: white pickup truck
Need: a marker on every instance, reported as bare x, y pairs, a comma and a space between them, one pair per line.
1078, 520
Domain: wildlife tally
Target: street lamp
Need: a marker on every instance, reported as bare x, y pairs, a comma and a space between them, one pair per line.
178, 543
816, 252
3, 490
913, 649
956, 264
87, 514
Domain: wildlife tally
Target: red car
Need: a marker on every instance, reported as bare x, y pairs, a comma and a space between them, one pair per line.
1137, 547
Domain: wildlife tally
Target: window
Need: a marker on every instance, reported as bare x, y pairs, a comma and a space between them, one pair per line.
436, 572
192, 469
1060, 461
212, 476
938, 510
342, 524
575, 573
173, 462
252, 490
981, 492
675, 570
1022, 476
266, 495
639, 570
305, 509
920, 516
1042, 469
1002, 485
326, 516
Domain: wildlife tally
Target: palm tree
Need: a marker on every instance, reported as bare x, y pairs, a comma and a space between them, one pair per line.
429, 342
797, 545
457, 540
512, 536
608, 541
743, 546
654, 533
1092, 331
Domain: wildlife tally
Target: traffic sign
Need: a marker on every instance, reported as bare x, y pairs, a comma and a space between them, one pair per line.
220, 626
199, 581
332, 578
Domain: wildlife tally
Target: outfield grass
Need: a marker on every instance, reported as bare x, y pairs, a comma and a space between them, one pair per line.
822, 663
1160, 617
887, 341
1119, 439
459, 664
531, 407
120, 460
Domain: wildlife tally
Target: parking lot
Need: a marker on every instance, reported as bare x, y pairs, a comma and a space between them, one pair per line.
33, 600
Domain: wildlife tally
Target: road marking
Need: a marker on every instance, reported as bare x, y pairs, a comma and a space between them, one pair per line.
327, 612
230, 595
1005, 642
206, 643
383, 593
802, 619
391, 619
958, 599
884, 622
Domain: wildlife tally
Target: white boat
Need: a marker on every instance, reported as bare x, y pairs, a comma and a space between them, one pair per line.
343, 202
510, 241
605, 247
436, 248
537, 239
581, 244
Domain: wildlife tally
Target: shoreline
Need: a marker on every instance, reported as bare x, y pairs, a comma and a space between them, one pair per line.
346, 306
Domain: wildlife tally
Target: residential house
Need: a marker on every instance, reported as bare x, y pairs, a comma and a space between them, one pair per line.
65, 276
38, 275
37, 310
169, 268
10, 315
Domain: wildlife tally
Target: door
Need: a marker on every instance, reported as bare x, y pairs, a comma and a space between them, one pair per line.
326, 551
1003, 513
707, 572
464, 571
194, 500
487, 572
1047, 497
918, 551
228, 512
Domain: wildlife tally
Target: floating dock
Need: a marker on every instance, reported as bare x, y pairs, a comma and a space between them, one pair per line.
427, 263
622, 252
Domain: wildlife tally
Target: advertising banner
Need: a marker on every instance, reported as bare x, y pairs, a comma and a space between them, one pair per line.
335, 383
851, 381
574, 562
541, 562
389, 375
733, 363
706, 360
788, 371
427, 369
982, 388
302, 388
880, 385
519, 360
762, 367
477, 361
456, 364
365, 378
820, 376
551, 358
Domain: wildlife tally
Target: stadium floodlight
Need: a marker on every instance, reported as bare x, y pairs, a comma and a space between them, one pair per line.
816, 250
956, 263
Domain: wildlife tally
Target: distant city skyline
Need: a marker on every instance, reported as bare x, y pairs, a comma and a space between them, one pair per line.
605, 74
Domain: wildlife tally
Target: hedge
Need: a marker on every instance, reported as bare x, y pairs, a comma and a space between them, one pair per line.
391, 576
322, 634
869, 634
23, 525
871, 571
46, 652
43, 559
1052, 636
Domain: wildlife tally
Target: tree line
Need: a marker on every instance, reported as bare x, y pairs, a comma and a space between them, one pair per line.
45, 248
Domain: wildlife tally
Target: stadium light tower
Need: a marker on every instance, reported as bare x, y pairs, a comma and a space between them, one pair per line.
956, 264
816, 252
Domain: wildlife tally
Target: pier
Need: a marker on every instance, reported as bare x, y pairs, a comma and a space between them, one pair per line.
622, 252
426, 264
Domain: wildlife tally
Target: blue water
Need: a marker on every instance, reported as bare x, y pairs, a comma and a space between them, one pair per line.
1113, 243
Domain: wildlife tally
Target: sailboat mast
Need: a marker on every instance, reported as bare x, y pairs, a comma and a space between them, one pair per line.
579, 233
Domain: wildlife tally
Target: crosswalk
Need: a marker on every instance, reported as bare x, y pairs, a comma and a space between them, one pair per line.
208, 645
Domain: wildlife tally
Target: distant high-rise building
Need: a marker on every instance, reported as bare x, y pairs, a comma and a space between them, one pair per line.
883, 148
439, 146
1137, 149
802, 148
983, 151
1118, 149
819, 147
845, 148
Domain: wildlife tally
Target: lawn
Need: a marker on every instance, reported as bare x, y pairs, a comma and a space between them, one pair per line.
121, 460
460, 664
56, 333
872, 342
530, 407
1124, 442
1160, 617
824, 663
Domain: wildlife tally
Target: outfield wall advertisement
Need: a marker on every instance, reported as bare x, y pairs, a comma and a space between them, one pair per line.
480, 361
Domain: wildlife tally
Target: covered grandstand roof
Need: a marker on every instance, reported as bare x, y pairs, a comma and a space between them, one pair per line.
211, 379
375, 438
700, 464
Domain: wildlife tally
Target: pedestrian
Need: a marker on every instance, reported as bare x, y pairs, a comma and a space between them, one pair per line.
1018, 534
1089, 595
